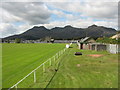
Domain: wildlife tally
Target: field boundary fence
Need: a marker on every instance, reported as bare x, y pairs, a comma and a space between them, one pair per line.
49, 61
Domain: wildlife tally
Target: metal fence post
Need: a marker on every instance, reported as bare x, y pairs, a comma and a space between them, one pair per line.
16, 87
43, 68
34, 77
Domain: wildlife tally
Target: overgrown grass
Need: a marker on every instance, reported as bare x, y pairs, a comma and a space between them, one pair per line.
91, 72
20, 59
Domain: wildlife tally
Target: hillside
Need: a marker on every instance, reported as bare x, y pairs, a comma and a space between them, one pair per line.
67, 32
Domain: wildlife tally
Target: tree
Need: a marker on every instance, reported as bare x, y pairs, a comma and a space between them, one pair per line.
118, 31
17, 40
108, 40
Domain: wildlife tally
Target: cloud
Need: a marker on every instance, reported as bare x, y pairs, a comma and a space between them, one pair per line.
8, 17
27, 13
18, 17
7, 29
80, 23
60, 0
100, 13
67, 16
32, 13
102, 10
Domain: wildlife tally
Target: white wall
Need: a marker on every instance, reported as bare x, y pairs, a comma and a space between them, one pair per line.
113, 48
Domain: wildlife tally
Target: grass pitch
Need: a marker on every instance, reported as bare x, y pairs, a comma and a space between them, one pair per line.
20, 59
83, 71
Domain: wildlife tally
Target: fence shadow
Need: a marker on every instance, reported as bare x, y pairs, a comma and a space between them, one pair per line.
56, 70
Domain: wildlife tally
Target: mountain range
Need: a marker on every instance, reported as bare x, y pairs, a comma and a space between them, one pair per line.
67, 32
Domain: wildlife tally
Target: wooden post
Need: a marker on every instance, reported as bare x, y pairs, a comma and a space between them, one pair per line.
90, 46
95, 47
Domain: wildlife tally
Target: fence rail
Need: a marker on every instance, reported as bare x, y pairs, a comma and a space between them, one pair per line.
56, 56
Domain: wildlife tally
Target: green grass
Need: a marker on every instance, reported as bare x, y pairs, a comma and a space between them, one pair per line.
20, 59
93, 72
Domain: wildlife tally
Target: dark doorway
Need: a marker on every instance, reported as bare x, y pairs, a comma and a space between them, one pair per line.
81, 46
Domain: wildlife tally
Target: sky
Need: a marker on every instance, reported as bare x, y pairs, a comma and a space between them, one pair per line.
17, 16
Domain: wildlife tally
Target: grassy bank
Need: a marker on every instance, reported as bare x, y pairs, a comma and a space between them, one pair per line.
85, 71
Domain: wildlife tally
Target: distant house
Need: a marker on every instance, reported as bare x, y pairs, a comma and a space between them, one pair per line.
85, 40
89, 44
65, 41
116, 36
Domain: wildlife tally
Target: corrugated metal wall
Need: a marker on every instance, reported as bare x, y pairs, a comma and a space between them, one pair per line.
112, 48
